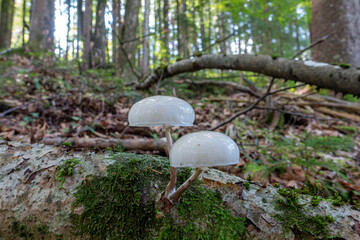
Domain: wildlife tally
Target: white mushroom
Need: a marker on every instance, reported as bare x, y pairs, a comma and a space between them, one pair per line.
163, 111
201, 149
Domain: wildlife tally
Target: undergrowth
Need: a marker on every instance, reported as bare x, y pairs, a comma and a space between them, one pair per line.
122, 205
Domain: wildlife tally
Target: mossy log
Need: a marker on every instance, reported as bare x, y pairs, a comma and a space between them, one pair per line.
39, 185
321, 75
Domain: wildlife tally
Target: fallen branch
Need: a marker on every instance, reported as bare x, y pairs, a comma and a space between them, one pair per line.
129, 144
330, 77
249, 108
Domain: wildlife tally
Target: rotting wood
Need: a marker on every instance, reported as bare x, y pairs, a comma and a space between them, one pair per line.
145, 144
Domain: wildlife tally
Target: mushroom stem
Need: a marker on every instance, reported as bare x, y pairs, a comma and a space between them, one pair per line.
174, 197
171, 186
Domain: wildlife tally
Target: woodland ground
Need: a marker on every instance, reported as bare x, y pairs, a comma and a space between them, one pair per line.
310, 134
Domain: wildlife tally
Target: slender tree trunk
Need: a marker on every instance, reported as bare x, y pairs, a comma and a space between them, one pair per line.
209, 27
98, 51
80, 26
184, 30
129, 32
166, 31
178, 36
202, 26
6, 23
68, 3
115, 34
222, 32
194, 33
87, 35
342, 19
145, 54
23, 22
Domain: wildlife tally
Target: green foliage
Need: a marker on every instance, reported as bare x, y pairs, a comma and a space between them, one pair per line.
351, 98
330, 143
66, 144
66, 170
121, 205
293, 216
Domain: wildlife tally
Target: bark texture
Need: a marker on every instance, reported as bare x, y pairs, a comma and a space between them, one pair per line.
6, 22
129, 30
341, 19
30, 194
145, 55
98, 51
321, 75
42, 25
87, 27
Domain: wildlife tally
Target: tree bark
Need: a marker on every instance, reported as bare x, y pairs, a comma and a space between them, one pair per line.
330, 77
145, 70
166, 31
98, 50
68, 3
30, 195
42, 25
341, 20
6, 23
87, 27
129, 31
184, 30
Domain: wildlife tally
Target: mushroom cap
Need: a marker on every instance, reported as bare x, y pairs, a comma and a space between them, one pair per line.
204, 149
159, 110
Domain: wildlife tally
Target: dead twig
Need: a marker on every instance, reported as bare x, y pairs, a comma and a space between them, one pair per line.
311, 45
249, 108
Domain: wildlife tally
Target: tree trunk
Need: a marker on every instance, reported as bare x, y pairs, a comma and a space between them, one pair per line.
6, 22
34, 206
341, 20
145, 51
68, 3
87, 35
323, 76
184, 30
178, 32
166, 31
129, 32
115, 14
80, 26
202, 26
194, 33
42, 25
98, 50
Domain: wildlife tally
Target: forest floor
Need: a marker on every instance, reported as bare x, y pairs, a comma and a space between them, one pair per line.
309, 135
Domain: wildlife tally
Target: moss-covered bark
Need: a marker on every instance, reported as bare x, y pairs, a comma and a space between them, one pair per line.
57, 194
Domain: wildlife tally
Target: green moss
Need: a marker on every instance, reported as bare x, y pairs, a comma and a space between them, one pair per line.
342, 65
66, 170
66, 144
293, 217
20, 230
122, 205
247, 185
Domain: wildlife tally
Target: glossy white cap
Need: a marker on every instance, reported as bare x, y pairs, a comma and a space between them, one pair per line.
159, 110
204, 149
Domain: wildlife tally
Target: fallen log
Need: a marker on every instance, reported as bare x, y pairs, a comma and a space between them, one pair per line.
321, 75
33, 205
145, 144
